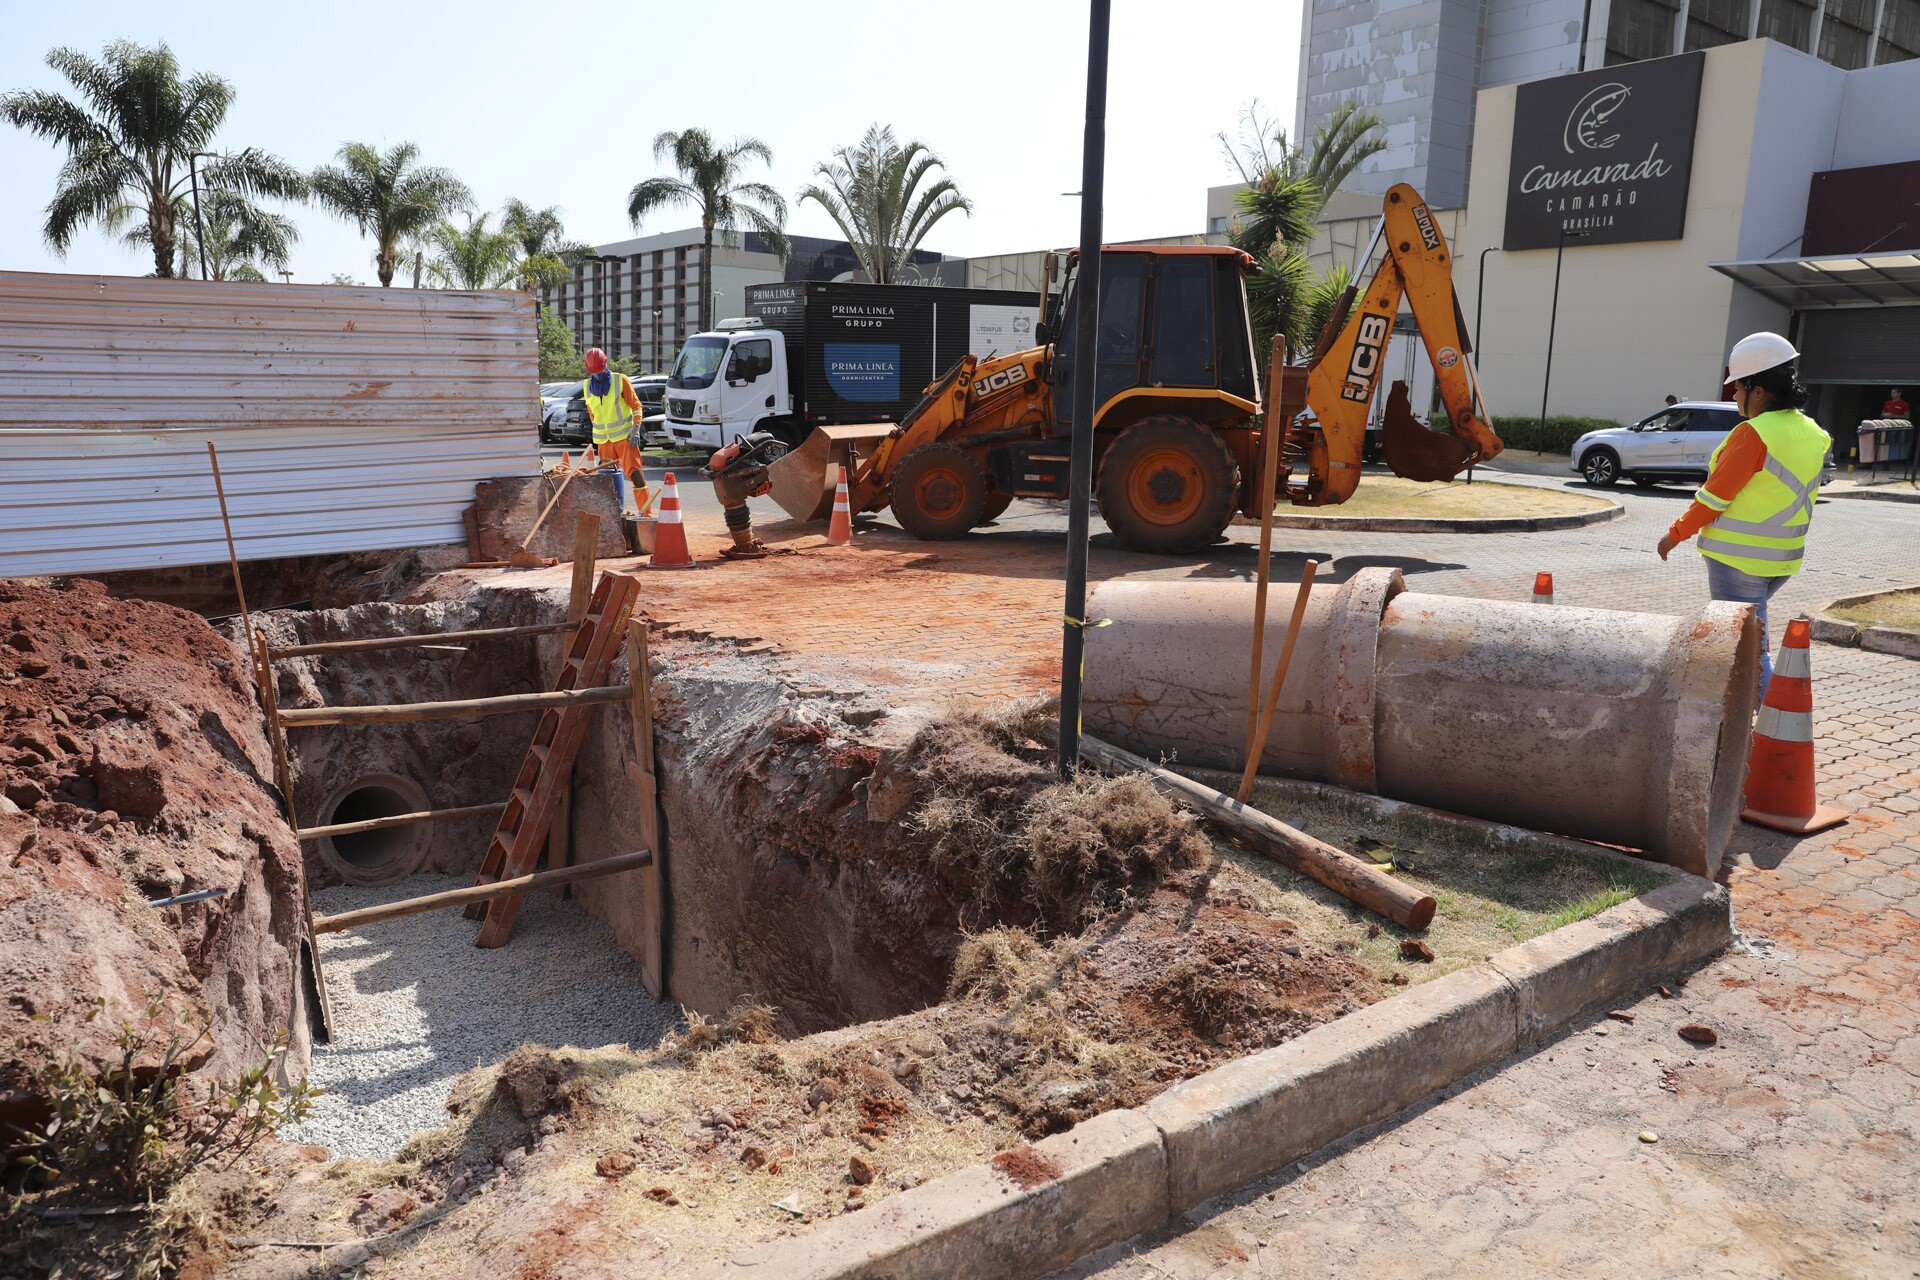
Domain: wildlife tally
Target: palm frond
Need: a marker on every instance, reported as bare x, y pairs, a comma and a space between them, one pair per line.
883, 196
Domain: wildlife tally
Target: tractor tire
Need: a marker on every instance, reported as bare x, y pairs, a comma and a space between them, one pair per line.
939, 492
997, 504
1168, 485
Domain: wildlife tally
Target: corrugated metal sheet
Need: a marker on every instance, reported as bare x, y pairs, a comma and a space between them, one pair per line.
347, 419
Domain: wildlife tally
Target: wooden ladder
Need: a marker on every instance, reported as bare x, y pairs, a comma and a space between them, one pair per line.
547, 771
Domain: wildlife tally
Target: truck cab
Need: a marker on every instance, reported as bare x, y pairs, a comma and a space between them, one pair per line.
727, 383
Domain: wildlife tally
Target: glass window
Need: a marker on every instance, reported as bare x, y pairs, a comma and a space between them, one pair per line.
1899, 32
751, 359
1639, 29
1716, 22
1183, 323
1846, 33
698, 363
1719, 421
1788, 21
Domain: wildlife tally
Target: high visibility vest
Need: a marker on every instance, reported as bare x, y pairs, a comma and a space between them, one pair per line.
612, 419
1763, 530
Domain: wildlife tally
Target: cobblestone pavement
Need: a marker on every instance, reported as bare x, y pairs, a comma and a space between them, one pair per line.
1788, 1149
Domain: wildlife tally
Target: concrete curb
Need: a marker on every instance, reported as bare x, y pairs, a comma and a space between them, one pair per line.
1128, 1171
1902, 642
1404, 524
1869, 495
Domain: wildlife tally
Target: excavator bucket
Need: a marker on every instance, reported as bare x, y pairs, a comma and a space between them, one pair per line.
1415, 453
803, 479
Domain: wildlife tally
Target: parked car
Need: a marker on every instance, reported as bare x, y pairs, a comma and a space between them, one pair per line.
563, 419
1676, 444
1673, 444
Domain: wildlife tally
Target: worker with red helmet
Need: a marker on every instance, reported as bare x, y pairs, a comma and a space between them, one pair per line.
613, 405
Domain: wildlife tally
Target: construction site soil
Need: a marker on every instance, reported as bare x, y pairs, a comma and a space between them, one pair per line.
134, 767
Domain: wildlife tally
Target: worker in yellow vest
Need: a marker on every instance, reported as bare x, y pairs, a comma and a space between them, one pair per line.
614, 406
1754, 511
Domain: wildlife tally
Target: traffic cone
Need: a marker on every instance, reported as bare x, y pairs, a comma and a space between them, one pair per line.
1780, 771
670, 536
566, 461
1543, 588
840, 528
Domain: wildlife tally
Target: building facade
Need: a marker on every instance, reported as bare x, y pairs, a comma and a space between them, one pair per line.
1420, 65
641, 297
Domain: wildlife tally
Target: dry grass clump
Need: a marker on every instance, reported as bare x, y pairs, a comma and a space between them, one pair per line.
1027, 848
748, 1021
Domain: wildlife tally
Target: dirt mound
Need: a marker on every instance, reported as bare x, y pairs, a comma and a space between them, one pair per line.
134, 766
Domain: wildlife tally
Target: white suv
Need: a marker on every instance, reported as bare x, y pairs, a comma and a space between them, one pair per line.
1673, 444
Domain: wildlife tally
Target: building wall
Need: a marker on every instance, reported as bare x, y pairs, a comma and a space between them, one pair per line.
1635, 321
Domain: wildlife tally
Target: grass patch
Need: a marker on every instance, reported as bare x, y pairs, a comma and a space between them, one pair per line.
1390, 496
1892, 609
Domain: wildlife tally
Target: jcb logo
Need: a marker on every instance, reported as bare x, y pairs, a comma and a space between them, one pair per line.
1429, 234
1365, 364
1001, 381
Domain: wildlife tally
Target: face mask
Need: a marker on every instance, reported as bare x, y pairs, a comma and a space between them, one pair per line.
599, 382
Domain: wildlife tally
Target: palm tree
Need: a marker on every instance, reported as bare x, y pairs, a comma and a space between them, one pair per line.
478, 257
391, 197
710, 181
546, 255
130, 144
1339, 146
873, 194
237, 237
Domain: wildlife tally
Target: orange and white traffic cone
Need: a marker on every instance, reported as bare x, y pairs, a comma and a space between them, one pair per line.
840, 528
1543, 588
1780, 771
670, 534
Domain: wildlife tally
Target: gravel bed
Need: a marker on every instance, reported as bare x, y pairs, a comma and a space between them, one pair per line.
415, 1003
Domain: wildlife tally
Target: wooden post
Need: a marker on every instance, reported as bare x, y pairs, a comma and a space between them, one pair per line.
233, 557
483, 892
1257, 747
1270, 433
469, 708
586, 545
646, 782
1357, 881
283, 775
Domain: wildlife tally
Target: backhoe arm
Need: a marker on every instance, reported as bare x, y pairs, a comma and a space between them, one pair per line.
1324, 461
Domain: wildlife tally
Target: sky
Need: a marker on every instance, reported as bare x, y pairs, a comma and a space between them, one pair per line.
558, 104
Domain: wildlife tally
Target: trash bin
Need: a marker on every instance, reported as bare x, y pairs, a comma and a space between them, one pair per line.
1869, 434
1896, 441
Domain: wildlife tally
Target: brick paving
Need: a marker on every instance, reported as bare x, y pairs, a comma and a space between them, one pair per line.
1788, 1149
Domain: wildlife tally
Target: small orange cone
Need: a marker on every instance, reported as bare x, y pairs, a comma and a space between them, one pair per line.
840, 528
1543, 588
566, 461
670, 535
1780, 771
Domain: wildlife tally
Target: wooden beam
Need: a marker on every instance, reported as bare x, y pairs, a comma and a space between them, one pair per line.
1270, 432
647, 780
586, 545
410, 642
1357, 881
481, 892
320, 1017
398, 820
470, 708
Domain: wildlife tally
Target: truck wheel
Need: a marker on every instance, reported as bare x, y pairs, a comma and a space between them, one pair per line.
939, 492
1168, 485
997, 504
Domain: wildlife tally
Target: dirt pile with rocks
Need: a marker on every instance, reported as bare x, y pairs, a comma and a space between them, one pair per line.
134, 766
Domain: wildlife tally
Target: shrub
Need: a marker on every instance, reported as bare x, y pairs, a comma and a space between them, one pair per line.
1524, 433
134, 1125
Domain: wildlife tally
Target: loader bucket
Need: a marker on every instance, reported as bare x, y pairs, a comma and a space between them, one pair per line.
1415, 453
803, 479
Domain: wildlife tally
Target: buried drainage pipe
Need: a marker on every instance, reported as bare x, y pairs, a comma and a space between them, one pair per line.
1626, 728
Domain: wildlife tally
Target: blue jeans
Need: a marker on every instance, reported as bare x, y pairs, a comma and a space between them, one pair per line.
1724, 582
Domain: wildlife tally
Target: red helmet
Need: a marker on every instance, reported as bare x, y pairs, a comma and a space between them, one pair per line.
596, 360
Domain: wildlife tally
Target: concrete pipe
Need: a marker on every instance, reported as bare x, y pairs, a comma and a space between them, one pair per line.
383, 855
1626, 728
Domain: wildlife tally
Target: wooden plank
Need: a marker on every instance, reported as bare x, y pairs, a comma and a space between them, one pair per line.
1270, 433
470, 708
398, 820
482, 892
586, 544
1347, 876
646, 777
410, 642
1257, 745
308, 964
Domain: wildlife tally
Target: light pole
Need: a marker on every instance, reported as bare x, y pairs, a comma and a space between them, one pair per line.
604, 313
1093, 182
1553, 320
1479, 301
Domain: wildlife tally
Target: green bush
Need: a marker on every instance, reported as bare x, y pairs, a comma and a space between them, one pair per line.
1524, 433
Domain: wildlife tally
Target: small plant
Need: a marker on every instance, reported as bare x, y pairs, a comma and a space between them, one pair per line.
134, 1125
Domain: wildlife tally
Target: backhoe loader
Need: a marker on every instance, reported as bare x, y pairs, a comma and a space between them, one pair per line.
1177, 452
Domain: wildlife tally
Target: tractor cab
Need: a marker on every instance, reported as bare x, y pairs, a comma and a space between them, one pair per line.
1173, 326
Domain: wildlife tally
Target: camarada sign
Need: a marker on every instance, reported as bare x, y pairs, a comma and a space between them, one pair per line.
1605, 153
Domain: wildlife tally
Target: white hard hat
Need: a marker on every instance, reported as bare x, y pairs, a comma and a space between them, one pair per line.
1756, 353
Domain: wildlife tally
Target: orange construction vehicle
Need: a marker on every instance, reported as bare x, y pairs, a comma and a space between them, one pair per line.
1177, 448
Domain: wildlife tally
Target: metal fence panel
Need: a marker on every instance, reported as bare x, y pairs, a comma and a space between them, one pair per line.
347, 418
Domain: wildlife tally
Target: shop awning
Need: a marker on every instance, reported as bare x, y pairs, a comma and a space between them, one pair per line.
1868, 280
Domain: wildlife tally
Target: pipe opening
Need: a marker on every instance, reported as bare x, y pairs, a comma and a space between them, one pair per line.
386, 853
